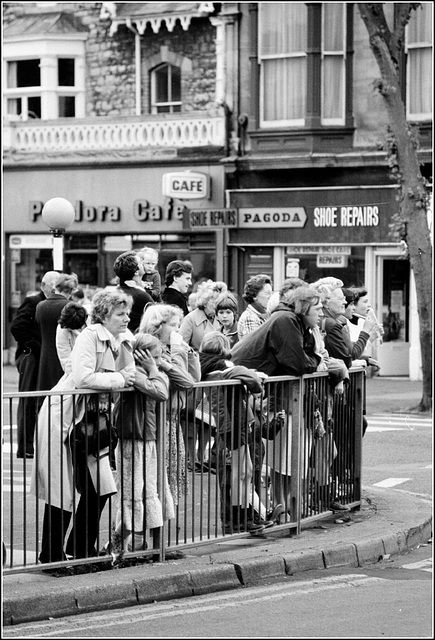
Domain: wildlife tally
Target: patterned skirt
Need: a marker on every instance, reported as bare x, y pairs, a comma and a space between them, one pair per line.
176, 459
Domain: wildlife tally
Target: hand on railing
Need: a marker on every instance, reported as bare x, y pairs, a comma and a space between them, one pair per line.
129, 377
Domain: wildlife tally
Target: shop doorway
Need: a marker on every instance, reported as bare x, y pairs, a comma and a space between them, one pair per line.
393, 304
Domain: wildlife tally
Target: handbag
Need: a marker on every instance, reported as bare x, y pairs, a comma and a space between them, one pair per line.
94, 431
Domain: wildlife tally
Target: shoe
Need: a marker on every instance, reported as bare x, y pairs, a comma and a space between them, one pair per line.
174, 555
275, 513
336, 506
253, 527
209, 467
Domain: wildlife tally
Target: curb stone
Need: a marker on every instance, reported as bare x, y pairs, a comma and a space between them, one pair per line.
90, 593
340, 556
255, 570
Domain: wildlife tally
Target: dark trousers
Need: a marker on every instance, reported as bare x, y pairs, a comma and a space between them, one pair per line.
54, 528
84, 532
27, 366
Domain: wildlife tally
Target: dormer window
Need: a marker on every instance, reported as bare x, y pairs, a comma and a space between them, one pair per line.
44, 67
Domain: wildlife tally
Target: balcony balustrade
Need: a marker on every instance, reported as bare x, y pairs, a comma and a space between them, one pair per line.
179, 131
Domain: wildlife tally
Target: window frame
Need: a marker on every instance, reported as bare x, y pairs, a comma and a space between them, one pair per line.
155, 105
306, 122
274, 124
328, 122
49, 91
414, 46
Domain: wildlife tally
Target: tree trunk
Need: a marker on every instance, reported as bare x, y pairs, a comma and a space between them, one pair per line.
405, 167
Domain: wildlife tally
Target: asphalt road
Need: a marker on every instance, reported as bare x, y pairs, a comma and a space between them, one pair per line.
392, 599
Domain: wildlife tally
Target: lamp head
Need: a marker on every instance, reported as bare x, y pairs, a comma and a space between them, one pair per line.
58, 214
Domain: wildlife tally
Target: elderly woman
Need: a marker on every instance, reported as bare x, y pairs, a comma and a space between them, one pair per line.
194, 327
181, 364
203, 319
102, 359
256, 293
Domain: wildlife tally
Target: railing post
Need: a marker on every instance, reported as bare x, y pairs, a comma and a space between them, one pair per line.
296, 406
160, 533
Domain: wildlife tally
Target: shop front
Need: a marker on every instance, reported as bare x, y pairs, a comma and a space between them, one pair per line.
116, 209
337, 231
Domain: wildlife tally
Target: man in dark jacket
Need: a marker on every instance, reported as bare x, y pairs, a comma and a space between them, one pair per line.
129, 268
47, 317
284, 344
178, 279
26, 332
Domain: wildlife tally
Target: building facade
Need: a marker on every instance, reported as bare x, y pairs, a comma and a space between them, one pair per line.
246, 137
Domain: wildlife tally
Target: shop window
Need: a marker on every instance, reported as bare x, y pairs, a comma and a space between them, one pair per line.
287, 73
419, 64
166, 89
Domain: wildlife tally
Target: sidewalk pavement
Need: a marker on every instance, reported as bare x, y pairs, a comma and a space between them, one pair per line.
389, 523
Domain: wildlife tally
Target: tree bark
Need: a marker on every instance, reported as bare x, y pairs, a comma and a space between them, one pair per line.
405, 168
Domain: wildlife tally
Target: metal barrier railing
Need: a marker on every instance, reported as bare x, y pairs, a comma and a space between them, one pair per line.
222, 461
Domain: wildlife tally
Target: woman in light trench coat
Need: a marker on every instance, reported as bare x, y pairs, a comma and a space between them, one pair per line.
102, 359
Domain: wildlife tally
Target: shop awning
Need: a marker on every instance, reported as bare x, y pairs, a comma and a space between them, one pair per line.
55, 23
141, 14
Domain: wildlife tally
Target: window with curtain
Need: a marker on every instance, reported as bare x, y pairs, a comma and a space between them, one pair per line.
282, 55
333, 63
284, 72
166, 89
419, 64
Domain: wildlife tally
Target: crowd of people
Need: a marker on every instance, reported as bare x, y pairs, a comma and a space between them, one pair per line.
160, 343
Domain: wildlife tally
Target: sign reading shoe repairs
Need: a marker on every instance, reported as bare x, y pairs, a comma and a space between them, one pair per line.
298, 216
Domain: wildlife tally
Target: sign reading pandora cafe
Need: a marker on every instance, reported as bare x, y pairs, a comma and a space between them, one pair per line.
111, 199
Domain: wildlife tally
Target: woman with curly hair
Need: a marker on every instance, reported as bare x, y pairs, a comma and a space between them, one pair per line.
256, 293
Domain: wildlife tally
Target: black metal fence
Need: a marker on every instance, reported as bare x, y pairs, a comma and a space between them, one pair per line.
224, 464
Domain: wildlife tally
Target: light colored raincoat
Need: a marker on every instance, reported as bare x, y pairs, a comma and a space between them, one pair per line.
94, 366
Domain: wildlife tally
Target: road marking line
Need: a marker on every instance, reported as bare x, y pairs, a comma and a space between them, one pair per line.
390, 482
424, 565
211, 603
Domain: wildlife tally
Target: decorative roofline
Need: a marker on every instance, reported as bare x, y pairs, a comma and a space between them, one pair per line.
109, 11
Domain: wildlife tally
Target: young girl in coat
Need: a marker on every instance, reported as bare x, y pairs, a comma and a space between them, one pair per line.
136, 421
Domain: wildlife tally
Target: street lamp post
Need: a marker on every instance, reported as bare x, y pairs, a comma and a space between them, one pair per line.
58, 214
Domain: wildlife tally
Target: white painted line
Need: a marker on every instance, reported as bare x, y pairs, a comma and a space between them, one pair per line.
424, 565
391, 482
6, 447
382, 429
16, 488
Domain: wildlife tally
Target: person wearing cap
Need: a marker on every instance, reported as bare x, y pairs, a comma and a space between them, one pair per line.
178, 279
25, 330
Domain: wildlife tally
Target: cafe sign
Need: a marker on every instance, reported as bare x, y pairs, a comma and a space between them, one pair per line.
186, 185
